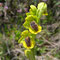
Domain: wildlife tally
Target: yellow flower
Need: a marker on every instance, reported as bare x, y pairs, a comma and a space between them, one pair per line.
27, 39
32, 23
29, 47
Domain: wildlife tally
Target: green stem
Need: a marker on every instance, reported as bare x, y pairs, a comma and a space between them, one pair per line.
31, 55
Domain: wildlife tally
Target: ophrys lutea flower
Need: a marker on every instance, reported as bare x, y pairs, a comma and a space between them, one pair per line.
31, 23
29, 43
27, 39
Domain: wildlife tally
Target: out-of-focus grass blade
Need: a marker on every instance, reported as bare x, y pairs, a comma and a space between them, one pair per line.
58, 3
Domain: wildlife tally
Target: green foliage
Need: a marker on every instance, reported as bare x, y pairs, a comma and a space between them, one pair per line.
57, 54
40, 50
17, 34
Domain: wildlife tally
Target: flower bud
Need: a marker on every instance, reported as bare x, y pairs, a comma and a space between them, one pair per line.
33, 8
27, 52
42, 6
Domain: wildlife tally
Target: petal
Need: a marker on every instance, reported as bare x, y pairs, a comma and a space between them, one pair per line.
21, 40
45, 13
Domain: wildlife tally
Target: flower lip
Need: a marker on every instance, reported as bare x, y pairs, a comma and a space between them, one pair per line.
34, 26
32, 44
35, 32
27, 40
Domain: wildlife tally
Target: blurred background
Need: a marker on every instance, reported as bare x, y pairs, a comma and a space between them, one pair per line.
12, 17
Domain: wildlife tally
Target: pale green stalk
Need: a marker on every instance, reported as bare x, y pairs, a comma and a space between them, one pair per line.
30, 55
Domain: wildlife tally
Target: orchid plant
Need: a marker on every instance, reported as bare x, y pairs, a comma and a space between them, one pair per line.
32, 24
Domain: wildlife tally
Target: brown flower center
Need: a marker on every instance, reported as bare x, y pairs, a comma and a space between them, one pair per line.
28, 42
34, 25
